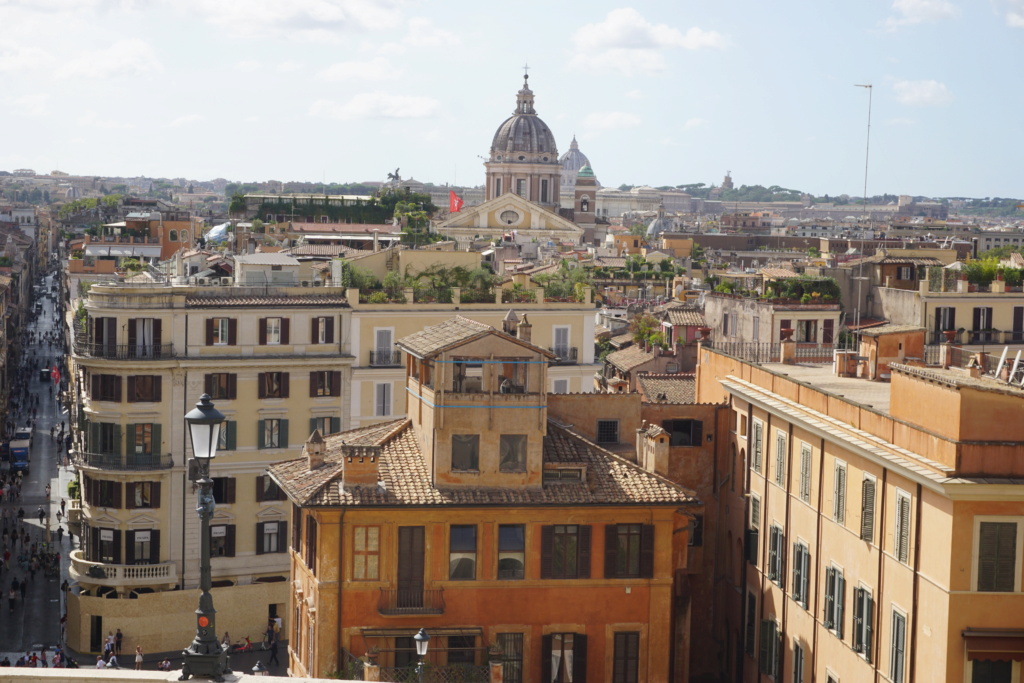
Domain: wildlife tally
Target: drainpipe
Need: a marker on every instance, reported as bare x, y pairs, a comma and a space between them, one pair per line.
912, 668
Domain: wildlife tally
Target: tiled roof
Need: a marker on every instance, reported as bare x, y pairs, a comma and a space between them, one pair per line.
629, 358
437, 337
242, 301
610, 261
623, 339
269, 259
345, 228
323, 250
880, 330
668, 388
690, 317
1017, 260
405, 480
778, 272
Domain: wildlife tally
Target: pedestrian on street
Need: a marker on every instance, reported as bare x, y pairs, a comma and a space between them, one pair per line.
60, 534
273, 652
41, 514
117, 641
138, 658
62, 504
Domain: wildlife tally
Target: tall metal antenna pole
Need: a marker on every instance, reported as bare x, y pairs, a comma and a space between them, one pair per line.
867, 152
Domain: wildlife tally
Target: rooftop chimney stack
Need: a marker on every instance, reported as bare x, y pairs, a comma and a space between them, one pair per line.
314, 450
524, 330
508, 325
359, 467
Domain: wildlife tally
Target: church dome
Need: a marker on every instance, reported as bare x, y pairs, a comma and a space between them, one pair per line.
572, 162
524, 136
660, 224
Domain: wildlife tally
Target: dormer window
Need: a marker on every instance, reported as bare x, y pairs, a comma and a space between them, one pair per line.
465, 452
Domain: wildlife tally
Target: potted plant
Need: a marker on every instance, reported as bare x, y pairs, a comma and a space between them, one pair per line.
494, 652
372, 653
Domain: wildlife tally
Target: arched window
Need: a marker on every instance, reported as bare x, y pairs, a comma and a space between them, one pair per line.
173, 235
585, 205
184, 235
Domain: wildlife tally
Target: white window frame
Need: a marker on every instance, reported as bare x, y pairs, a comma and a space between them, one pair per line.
555, 385
781, 448
755, 328
874, 517
391, 335
975, 550
898, 525
321, 327
801, 593
554, 338
379, 407
799, 661
838, 614
839, 496
757, 446
273, 331
221, 331
806, 456
776, 565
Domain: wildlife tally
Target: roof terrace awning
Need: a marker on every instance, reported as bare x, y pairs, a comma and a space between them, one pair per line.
994, 644
101, 249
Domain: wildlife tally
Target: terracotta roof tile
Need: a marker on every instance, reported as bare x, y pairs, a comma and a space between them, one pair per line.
690, 317
668, 388
629, 358
436, 337
242, 301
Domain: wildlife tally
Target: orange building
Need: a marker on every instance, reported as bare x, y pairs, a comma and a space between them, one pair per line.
488, 524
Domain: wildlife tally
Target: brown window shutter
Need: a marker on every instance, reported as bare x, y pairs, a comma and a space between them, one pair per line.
263, 331
230, 541
828, 332
130, 494
545, 657
157, 334
129, 547
208, 384
131, 388
209, 331
579, 657
117, 388
117, 494
154, 546
282, 534
584, 552
154, 496
611, 538
262, 381
286, 330
95, 387
232, 386
1018, 318
230, 492
259, 536
232, 332
547, 548
976, 323
329, 334
647, 551
312, 383
259, 494
284, 384
117, 546
336, 383
131, 333
158, 388
314, 330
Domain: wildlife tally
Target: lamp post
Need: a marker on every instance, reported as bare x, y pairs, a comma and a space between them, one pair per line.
205, 656
422, 642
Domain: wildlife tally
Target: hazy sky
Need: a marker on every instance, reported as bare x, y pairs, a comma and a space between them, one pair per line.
657, 92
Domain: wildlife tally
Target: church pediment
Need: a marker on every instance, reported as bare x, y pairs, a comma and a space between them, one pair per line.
510, 212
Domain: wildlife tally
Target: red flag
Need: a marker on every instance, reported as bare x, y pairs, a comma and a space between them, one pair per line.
454, 202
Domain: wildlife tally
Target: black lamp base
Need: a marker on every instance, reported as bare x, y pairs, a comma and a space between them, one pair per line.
212, 665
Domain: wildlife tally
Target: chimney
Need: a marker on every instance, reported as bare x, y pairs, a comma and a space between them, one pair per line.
376, 241
359, 467
508, 325
314, 450
524, 330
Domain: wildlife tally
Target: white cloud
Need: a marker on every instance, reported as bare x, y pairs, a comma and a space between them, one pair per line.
35, 104
248, 65
301, 20
610, 120
693, 123
20, 58
186, 120
922, 93
421, 32
627, 42
288, 67
634, 95
376, 105
1014, 13
378, 69
910, 12
90, 119
129, 57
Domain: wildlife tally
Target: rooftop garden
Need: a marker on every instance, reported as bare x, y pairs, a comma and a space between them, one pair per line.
434, 284
803, 289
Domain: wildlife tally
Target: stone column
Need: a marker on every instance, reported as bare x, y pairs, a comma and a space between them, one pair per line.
371, 671
788, 352
497, 672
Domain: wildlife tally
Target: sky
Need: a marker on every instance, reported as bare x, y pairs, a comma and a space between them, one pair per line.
656, 92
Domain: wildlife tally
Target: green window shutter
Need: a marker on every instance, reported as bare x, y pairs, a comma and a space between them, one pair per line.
283, 434
830, 597
335, 425
129, 441
869, 617
117, 439
157, 445
840, 603
261, 440
312, 425
231, 428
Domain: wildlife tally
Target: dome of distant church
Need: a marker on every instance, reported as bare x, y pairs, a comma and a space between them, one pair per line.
524, 136
660, 224
572, 162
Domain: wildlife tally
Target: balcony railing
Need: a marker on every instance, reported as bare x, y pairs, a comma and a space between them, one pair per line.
135, 462
124, 351
383, 359
98, 573
402, 601
451, 673
567, 355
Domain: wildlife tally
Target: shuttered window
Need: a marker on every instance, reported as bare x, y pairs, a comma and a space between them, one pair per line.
897, 648
901, 537
798, 663
863, 621
771, 638
755, 459
750, 633
839, 493
835, 600
382, 399
629, 551
753, 539
867, 509
776, 554
801, 573
565, 552
780, 458
805, 473
997, 556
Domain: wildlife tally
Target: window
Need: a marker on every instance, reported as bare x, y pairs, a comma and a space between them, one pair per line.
267, 490
991, 671
466, 452
224, 490
753, 538
839, 493
461, 650
322, 330
565, 552
103, 493
105, 438
805, 472
272, 433
564, 658
628, 551
626, 657
771, 641
273, 385
106, 545
607, 431
776, 554
270, 537
326, 425
521, 187
227, 436
750, 632
544, 192
513, 453
366, 553
835, 600
511, 645
222, 540
561, 347
904, 273
897, 648
801, 573
997, 556
310, 548
863, 621
683, 432
382, 399
142, 546
273, 331
221, 385
901, 537
982, 318
324, 383
106, 388
780, 458
511, 551
798, 663
221, 331
462, 553
696, 532
945, 318
142, 494
560, 386
142, 439
755, 328
755, 448
867, 509
144, 388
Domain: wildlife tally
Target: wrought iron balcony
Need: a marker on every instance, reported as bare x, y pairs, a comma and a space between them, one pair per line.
403, 601
567, 355
384, 359
101, 574
123, 351
129, 463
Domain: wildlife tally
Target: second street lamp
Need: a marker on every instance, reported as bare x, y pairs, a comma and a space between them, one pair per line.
205, 656
422, 643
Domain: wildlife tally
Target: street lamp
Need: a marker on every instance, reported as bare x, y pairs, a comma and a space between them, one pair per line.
205, 656
422, 642
260, 670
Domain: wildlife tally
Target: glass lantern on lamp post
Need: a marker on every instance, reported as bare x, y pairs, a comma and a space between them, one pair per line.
205, 656
422, 641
